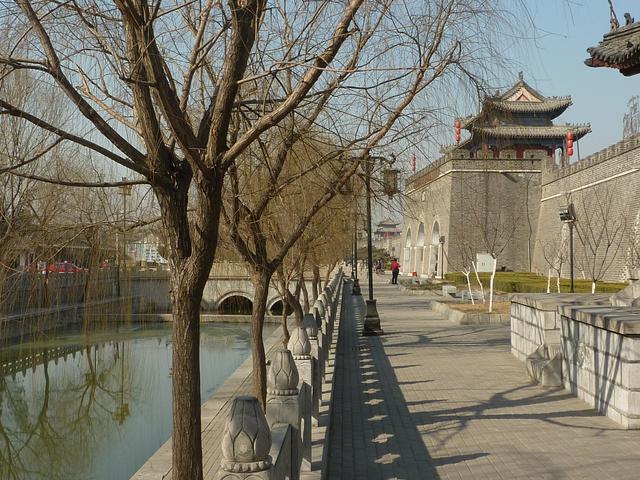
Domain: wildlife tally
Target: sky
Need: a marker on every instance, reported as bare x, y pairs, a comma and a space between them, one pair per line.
554, 65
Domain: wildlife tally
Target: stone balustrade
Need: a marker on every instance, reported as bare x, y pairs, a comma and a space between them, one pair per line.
278, 445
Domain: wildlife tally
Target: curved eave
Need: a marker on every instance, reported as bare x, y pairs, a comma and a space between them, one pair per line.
555, 132
618, 49
554, 107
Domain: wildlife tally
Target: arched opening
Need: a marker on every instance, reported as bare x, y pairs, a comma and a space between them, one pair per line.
434, 251
235, 305
276, 308
420, 241
406, 260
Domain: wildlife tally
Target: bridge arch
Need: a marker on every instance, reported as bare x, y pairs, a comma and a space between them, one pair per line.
235, 302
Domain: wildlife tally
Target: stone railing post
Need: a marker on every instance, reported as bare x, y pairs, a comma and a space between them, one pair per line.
326, 311
283, 402
323, 347
309, 323
246, 442
300, 348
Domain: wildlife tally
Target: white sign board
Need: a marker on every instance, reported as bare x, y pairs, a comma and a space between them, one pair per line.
484, 262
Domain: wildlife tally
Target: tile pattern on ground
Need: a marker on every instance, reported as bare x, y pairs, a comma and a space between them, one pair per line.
431, 399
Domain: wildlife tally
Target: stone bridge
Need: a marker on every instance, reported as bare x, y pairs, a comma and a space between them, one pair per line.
228, 290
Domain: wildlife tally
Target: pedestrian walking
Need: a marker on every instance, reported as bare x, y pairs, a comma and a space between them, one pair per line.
395, 271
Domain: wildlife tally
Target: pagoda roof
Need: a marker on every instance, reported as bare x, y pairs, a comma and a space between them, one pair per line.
521, 98
388, 221
618, 49
521, 131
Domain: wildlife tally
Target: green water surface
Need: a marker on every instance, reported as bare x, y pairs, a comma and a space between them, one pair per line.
96, 406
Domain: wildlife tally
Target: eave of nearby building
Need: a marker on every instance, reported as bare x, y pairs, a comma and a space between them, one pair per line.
618, 49
548, 131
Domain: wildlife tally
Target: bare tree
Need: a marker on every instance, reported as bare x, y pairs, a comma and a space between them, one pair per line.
601, 228
161, 91
554, 252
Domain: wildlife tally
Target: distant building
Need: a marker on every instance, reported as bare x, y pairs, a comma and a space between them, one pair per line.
386, 234
145, 251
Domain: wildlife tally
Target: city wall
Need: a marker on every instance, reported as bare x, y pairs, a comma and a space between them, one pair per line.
478, 205
605, 190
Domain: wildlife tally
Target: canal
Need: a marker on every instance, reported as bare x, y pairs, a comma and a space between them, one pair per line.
95, 406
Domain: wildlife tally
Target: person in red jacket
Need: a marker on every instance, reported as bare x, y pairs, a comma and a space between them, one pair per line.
395, 271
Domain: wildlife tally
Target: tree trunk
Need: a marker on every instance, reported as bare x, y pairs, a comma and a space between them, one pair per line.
186, 437
468, 274
285, 305
479, 282
493, 276
305, 294
593, 286
315, 283
327, 275
261, 280
191, 258
294, 303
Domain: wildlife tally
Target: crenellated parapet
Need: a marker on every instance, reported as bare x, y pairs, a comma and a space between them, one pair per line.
554, 172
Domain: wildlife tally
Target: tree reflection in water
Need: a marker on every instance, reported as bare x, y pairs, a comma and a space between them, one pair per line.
96, 406
49, 428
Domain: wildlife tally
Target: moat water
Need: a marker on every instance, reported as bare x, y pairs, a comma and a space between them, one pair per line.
96, 406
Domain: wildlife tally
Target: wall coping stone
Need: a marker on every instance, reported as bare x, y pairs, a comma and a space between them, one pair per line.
552, 301
621, 320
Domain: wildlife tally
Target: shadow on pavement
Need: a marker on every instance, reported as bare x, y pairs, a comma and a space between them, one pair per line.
373, 433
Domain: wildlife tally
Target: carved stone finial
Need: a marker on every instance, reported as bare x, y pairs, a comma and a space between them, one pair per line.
247, 439
309, 323
299, 344
283, 374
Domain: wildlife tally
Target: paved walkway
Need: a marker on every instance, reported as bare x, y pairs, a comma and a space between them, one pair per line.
434, 400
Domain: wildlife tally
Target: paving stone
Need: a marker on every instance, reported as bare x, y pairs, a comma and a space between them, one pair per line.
451, 401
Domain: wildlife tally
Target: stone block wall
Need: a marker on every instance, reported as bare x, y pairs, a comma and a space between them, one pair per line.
494, 206
601, 365
605, 188
533, 323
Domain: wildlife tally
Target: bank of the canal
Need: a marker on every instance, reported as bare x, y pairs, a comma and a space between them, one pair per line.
96, 405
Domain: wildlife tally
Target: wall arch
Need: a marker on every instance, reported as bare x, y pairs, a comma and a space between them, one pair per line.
420, 247
406, 259
435, 251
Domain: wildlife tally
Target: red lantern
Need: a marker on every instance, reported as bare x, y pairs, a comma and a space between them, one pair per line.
569, 151
457, 125
569, 136
569, 143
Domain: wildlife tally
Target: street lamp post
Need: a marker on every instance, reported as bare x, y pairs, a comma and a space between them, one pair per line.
568, 216
355, 289
371, 318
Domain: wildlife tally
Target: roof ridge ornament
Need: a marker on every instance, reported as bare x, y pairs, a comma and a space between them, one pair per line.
520, 76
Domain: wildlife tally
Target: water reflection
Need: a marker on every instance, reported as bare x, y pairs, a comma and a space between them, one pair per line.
96, 406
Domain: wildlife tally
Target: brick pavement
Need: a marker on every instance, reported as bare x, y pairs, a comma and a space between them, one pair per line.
431, 399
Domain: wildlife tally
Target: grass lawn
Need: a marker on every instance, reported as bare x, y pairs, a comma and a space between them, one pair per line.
521, 282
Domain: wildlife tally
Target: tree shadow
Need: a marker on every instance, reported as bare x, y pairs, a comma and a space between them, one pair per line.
372, 432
